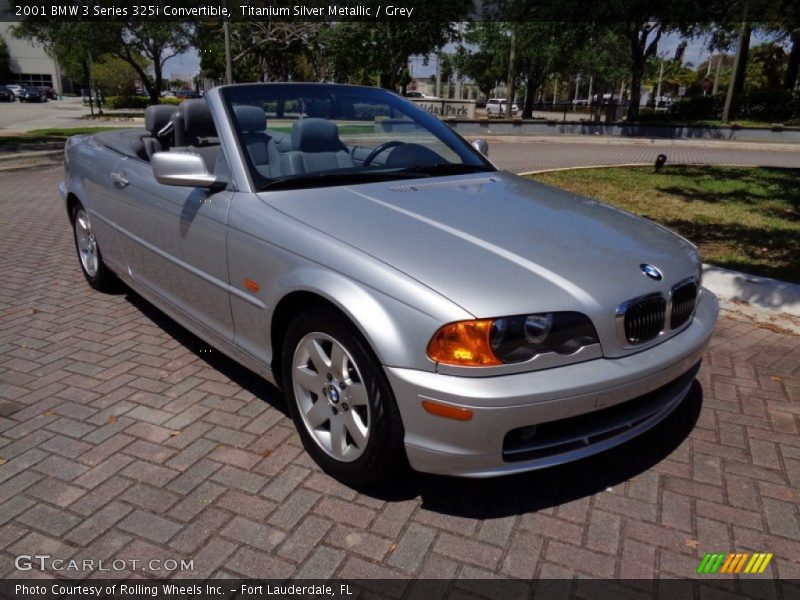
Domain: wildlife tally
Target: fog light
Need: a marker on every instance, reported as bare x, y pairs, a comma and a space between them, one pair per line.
526, 433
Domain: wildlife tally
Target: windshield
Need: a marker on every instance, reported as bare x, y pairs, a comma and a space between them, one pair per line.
311, 135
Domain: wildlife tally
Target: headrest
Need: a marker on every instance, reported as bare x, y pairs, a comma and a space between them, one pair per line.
315, 135
250, 118
156, 117
197, 120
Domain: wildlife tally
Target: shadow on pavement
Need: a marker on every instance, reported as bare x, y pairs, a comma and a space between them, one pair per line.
481, 498
242, 376
530, 492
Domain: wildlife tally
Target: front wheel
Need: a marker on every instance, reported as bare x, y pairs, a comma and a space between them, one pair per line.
91, 261
340, 400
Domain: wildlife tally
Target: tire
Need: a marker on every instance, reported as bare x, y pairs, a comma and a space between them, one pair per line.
89, 257
343, 407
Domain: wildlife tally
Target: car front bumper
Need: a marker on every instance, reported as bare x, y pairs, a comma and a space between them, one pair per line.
652, 383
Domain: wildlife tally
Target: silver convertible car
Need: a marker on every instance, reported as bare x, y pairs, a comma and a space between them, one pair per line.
416, 305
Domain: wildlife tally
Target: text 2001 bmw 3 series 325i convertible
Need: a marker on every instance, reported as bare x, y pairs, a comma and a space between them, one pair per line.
416, 305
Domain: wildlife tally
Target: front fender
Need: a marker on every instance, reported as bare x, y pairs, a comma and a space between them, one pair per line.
398, 333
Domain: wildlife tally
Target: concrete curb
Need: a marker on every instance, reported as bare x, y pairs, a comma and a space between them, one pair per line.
761, 292
12, 156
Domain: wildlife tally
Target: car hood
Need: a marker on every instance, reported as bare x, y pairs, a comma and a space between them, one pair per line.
499, 244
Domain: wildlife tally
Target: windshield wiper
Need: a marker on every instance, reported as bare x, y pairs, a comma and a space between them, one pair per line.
339, 178
447, 169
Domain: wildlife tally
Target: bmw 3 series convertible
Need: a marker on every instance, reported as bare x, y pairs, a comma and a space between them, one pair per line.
417, 306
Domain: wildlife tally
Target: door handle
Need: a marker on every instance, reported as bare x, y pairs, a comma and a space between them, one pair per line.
119, 180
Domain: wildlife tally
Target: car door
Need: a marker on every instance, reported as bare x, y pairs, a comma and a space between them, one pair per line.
175, 244
101, 199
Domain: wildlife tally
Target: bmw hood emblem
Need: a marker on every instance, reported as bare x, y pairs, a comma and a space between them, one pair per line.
651, 271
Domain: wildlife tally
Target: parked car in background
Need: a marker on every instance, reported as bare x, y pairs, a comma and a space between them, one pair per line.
497, 107
16, 88
186, 94
416, 305
6, 95
168, 94
32, 94
414, 94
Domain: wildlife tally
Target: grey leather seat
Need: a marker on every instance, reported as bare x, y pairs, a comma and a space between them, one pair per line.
316, 147
252, 123
155, 119
200, 131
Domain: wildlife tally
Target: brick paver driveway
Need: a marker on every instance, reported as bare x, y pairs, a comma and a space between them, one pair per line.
123, 436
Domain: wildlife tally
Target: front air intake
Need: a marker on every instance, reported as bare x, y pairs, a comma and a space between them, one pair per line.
684, 297
644, 319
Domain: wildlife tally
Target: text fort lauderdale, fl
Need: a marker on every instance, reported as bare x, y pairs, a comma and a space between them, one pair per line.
332, 10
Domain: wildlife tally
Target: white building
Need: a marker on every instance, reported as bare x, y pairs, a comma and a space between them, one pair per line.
30, 63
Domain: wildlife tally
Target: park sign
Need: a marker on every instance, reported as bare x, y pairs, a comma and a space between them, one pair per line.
447, 109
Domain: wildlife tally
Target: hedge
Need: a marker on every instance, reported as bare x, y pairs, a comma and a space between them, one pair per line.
141, 102
772, 107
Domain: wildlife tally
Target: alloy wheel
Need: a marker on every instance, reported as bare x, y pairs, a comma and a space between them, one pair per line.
87, 243
331, 396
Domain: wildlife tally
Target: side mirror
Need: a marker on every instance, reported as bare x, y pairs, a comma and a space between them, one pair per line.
481, 146
182, 169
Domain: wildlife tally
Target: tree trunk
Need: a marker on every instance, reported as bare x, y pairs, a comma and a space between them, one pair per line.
637, 71
530, 91
793, 68
640, 51
155, 91
742, 66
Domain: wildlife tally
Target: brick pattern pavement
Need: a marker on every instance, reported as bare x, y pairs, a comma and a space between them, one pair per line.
121, 438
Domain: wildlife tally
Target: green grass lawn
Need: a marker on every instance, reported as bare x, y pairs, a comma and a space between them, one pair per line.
747, 219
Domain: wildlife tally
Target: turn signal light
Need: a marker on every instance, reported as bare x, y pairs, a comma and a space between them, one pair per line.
464, 343
446, 411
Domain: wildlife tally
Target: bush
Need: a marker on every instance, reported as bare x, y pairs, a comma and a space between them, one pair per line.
699, 108
650, 115
136, 102
772, 107
769, 106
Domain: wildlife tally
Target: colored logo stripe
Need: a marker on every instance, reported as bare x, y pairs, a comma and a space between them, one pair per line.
734, 562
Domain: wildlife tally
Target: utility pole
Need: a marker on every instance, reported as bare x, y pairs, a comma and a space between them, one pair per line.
438, 73
658, 89
577, 88
459, 75
555, 91
726, 111
228, 59
589, 98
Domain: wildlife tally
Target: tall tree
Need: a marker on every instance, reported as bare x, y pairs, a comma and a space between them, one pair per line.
383, 47
793, 66
484, 56
261, 50
156, 41
5, 61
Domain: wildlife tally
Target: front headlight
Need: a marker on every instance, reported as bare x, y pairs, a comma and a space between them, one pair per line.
506, 340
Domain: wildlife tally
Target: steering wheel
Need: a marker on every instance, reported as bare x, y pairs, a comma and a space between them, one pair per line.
377, 150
